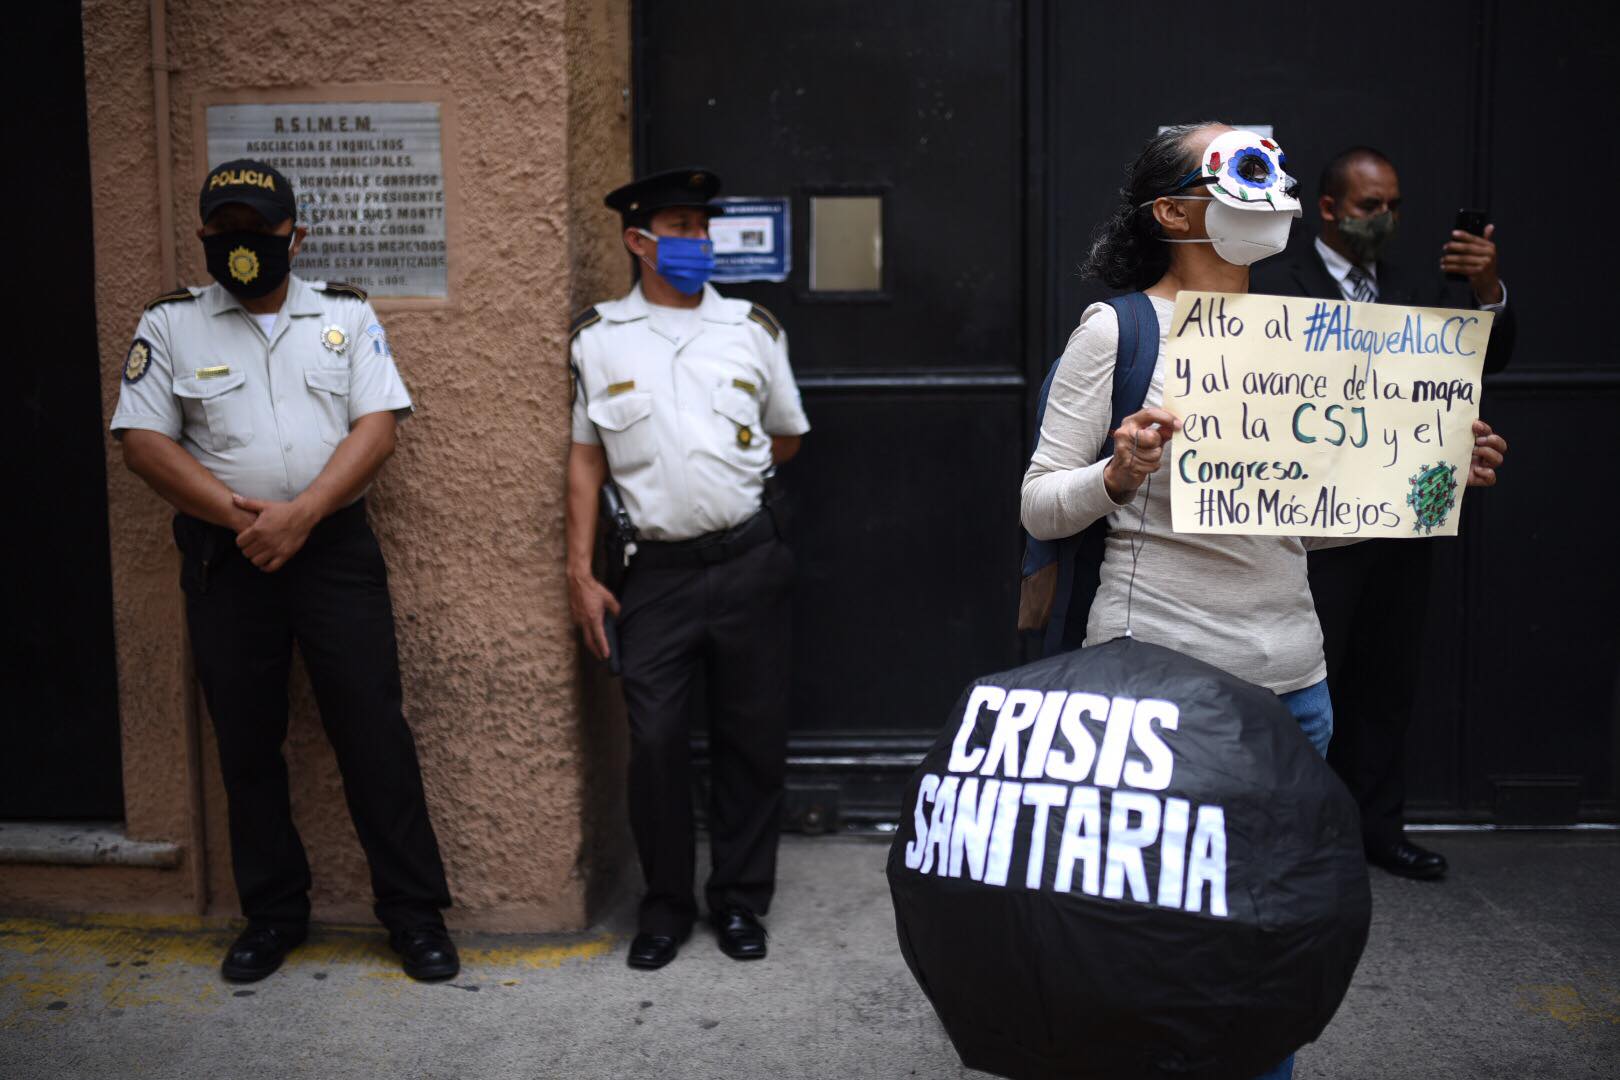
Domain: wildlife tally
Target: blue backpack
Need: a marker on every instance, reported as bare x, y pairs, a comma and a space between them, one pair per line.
1079, 557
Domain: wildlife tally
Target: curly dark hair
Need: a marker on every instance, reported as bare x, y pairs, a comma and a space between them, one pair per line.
1125, 250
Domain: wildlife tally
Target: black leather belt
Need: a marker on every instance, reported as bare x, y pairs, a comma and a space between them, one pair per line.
710, 549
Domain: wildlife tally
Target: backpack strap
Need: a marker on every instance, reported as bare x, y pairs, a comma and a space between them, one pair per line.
1137, 356
1080, 556
1039, 553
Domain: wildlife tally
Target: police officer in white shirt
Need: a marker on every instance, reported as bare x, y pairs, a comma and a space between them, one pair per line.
686, 400
262, 407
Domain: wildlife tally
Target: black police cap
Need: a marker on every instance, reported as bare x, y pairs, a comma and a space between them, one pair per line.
252, 183
678, 187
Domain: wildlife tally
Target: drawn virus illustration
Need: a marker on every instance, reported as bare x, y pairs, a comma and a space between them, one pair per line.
1433, 494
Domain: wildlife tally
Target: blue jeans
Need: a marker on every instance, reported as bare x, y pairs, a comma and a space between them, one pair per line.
1313, 709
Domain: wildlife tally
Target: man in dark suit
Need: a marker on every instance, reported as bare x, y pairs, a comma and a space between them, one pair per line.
1372, 598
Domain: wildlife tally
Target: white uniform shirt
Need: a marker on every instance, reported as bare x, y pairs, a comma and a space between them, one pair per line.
684, 413
262, 412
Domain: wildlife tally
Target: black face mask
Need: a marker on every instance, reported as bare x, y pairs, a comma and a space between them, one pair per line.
248, 264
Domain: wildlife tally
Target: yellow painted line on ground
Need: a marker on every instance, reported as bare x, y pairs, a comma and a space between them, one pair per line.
531, 956
131, 961
154, 940
1568, 1005
140, 941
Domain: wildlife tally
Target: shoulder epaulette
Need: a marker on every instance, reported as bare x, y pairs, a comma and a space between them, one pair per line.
171, 298
343, 288
767, 320
589, 317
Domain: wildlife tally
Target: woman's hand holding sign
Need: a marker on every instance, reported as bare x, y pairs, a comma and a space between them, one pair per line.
1489, 449
1138, 448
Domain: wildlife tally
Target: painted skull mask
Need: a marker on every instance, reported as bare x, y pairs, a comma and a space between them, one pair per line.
1247, 171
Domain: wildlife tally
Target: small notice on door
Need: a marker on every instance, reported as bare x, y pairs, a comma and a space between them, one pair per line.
1321, 417
752, 241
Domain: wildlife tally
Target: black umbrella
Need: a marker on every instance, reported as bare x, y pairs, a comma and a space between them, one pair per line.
1121, 862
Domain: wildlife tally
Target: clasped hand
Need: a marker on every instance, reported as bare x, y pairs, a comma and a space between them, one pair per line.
277, 532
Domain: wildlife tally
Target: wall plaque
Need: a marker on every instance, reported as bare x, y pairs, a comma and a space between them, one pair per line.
370, 179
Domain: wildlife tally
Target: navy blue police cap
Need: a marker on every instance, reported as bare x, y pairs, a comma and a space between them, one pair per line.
640, 199
251, 183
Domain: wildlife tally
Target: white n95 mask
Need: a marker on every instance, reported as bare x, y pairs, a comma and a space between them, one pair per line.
1243, 239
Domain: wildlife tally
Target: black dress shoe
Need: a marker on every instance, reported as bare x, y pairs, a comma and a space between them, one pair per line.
258, 951
426, 953
650, 951
1408, 860
741, 935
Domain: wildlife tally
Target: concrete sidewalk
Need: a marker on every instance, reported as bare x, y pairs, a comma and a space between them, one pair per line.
1509, 969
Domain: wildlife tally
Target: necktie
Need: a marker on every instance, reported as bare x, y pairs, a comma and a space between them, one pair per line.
1361, 286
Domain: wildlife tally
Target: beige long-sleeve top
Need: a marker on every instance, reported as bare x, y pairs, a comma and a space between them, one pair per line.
1242, 603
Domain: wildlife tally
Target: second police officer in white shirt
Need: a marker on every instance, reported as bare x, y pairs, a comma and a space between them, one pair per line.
685, 399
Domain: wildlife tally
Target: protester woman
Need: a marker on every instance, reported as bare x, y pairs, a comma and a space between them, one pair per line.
1242, 603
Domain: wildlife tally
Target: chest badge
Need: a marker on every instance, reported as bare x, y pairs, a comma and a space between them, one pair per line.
137, 361
243, 264
334, 338
745, 436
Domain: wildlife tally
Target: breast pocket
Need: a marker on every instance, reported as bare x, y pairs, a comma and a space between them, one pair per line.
737, 413
218, 413
329, 391
625, 424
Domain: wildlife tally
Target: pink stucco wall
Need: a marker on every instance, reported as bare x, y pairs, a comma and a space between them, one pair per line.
519, 741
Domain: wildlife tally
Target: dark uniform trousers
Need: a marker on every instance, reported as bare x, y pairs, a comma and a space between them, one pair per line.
1372, 600
332, 600
730, 620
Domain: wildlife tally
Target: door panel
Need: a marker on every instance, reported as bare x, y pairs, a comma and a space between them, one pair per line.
904, 582
906, 490
918, 99
59, 735
1543, 671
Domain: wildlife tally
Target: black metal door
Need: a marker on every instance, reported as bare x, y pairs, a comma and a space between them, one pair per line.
1540, 720
1520, 708
59, 738
996, 134
907, 488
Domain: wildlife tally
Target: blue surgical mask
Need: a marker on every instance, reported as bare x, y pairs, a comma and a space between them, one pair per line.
683, 262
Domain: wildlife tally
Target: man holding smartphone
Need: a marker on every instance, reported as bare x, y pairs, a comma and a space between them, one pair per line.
1372, 598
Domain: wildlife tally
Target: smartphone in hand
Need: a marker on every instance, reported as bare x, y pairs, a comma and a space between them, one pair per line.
1468, 221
